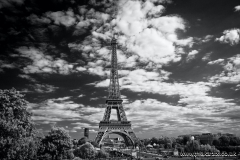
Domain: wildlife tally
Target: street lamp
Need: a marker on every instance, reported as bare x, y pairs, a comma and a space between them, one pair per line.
192, 139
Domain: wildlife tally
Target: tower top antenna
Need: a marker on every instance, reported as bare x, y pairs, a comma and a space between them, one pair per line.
114, 15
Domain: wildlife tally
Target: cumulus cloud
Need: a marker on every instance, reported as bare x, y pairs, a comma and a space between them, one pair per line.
62, 18
97, 71
230, 73
36, 86
10, 3
34, 19
92, 114
82, 125
81, 69
230, 36
39, 88
6, 64
55, 109
207, 56
89, 18
25, 76
81, 95
61, 98
191, 55
207, 38
146, 34
237, 8
140, 80
218, 61
63, 109
207, 103
232, 114
42, 63
144, 115
159, 49
94, 99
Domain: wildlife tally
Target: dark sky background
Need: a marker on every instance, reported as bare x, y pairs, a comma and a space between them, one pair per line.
179, 62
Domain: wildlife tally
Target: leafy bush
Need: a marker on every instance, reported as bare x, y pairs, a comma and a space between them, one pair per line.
83, 141
57, 144
102, 154
85, 151
18, 134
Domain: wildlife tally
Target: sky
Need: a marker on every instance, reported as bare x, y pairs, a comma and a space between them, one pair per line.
179, 63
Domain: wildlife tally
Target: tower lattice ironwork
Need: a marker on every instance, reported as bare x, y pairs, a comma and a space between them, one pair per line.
121, 126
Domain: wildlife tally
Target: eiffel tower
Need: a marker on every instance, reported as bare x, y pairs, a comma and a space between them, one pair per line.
122, 126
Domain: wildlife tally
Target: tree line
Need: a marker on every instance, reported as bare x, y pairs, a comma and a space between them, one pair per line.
221, 144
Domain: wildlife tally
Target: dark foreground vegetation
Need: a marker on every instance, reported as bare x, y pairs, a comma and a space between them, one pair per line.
20, 140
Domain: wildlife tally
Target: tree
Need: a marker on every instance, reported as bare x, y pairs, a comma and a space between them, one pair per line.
167, 143
180, 149
161, 140
161, 146
77, 158
173, 139
192, 146
57, 143
224, 140
167, 140
85, 151
139, 143
214, 150
146, 141
216, 142
102, 154
75, 143
208, 148
186, 139
82, 141
154, 140
234, 141
168, 146
174, 144
17, 131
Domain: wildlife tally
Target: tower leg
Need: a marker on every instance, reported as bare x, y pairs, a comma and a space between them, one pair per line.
133, 136
122, 113
107, 113
127, 140
99, 137
136, 140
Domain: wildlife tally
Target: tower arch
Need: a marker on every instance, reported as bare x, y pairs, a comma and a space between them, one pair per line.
127, 138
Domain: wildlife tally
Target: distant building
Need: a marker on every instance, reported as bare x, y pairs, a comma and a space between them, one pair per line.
207, 138
181, 136
113, 142
229, 135
196, 136
86, 132
169, 152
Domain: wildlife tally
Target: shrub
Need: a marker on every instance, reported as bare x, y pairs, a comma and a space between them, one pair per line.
85, 151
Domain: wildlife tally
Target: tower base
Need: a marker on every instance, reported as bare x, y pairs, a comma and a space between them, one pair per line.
122, 128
